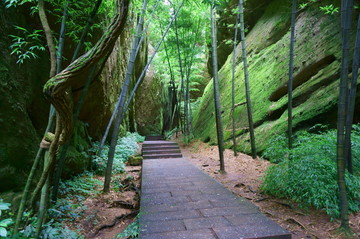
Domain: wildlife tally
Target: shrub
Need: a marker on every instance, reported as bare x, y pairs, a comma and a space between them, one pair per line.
125, 147
310, 177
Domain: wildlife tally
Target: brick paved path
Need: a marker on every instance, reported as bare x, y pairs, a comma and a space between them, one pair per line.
179, 201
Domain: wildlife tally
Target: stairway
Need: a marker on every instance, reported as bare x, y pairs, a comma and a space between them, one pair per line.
155, 147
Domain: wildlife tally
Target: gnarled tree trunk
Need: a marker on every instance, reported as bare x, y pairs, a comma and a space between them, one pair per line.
58, 89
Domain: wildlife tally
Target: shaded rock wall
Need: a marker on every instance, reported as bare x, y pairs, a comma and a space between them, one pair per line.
23, 109
148, 105
317, 70
104, 91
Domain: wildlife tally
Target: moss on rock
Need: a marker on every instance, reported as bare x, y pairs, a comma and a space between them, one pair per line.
316, 74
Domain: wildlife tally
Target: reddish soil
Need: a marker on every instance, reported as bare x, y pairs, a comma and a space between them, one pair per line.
244, 176
107, 215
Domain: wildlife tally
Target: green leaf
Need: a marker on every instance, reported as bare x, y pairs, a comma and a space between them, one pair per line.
3, 232
6, 222
4, 206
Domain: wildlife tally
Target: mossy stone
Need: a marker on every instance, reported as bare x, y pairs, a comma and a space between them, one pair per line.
135, 160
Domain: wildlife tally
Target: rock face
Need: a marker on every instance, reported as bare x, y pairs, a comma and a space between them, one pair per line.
23, 109
316, 77
254, 9
148, 105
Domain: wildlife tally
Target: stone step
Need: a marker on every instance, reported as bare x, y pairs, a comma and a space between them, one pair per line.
154, 137
162, 156
159, 142
148, 146
160, 148
161, 151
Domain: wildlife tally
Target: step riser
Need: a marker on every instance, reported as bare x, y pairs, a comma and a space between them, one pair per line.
157, 145
161, 152
160, 148
161, 156
153, 138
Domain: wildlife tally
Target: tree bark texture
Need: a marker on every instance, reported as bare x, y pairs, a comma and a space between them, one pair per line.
352, 100
233, 80
291, 69
344, 81
58, 88
219, 127
247, 84
49, 37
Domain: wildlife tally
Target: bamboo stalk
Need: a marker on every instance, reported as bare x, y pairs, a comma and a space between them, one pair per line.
247, 85
291, 69
233, 80
343, 91
352, 99
219, 127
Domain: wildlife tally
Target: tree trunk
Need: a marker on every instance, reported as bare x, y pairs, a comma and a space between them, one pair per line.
85, 32
58, 88
352, 99
345, 25
52, 113
60, 50
219, 127
291, 69
43, 200
49, 37
182, 87
247, 87
233, 81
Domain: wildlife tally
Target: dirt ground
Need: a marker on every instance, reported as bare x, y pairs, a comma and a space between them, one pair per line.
107, 215
243, 177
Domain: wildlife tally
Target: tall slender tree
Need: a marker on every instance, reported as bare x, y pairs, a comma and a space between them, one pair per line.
182, 87
41, 151
247, 85
352, 99
291, 69
219, 127
346, 8
233, 81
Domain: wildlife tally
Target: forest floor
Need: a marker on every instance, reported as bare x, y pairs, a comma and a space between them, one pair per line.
106, 215
244, 177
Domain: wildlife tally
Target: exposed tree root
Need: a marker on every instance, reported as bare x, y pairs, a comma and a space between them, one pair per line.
118, 218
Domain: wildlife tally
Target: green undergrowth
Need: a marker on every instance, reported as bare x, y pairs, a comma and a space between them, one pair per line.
5, 219
69, 208
310, 177
126, 146
131, 232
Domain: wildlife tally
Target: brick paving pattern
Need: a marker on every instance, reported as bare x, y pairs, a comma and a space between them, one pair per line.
179, 201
